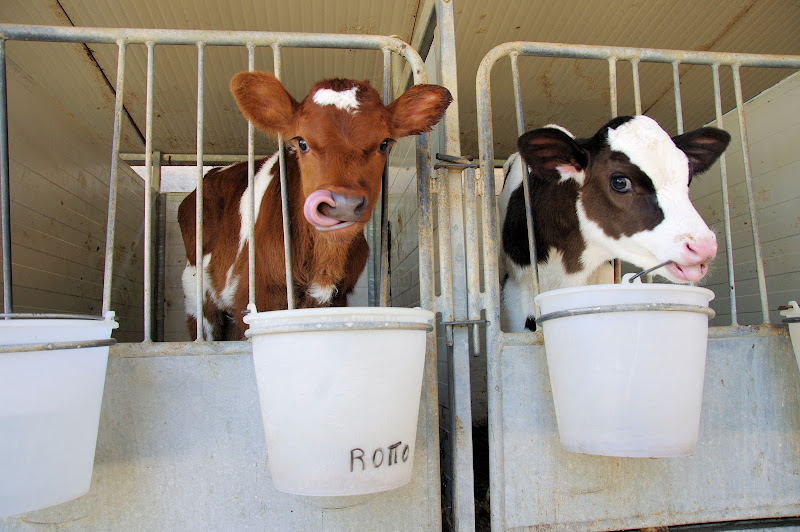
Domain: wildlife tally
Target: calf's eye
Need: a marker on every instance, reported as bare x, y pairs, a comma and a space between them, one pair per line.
302, 145
384, 146
621, 183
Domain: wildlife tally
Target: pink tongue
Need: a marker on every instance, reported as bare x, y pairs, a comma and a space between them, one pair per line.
311, 209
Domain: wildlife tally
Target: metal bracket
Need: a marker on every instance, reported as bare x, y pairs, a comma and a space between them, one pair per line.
462, 323
454, 161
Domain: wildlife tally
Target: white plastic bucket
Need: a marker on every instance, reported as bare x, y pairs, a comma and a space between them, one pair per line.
627, 383
791, 314
49, 411
340, 391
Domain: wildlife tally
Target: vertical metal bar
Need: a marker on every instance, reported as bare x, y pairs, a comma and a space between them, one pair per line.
676, 84
637, 92
372, 262
526, 188
384, 274
148, 199
113, 181
473, 254
751, 198
517, 93
445, 251
251, 220
726, 204
199, 196
5, 200
160, 253
427, 300
612, 89
463, 486
612, 84
287, 236
494, 374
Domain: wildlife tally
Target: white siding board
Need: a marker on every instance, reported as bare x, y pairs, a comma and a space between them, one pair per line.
59, 197
773, 129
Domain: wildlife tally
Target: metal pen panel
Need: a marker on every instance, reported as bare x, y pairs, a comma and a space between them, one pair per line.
198, 220
496, 340
5, 200
113, 179
726, 203
148, 198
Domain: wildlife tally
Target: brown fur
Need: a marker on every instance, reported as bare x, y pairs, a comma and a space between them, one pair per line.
343, 157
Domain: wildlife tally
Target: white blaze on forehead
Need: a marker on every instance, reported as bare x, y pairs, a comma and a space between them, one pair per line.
651, 149
344, 100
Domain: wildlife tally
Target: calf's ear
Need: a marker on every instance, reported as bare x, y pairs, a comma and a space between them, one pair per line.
552, 154
703, 147
418, 109
263, 101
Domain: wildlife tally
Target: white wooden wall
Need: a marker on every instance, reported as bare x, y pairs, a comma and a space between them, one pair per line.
59, 199
773, 130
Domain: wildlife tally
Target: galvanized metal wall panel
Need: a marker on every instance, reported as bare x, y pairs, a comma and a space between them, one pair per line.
181, 447
747, 463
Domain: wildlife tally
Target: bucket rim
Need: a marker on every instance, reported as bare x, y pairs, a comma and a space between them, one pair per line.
342, 313
24, 318
630, 307
638, 287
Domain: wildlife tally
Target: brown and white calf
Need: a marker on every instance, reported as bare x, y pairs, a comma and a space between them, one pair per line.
623, 193
337, 142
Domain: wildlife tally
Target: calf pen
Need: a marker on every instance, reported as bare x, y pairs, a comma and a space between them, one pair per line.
746, 464
180, 439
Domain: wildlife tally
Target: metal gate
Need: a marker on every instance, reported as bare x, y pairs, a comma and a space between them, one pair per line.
534, 483
135, 368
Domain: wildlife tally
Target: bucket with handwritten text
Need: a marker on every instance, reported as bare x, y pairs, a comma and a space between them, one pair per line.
340, 392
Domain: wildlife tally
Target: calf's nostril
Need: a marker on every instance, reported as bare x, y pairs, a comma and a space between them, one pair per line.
359, 209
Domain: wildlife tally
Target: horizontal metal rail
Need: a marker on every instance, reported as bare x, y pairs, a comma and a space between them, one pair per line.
18, 32
612, 55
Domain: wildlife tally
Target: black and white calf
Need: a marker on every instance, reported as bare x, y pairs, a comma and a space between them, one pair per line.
623, 193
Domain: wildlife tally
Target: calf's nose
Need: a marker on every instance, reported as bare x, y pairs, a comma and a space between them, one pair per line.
347, 208
702, 249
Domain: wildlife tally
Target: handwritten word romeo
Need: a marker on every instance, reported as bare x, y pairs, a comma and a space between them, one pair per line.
379, 456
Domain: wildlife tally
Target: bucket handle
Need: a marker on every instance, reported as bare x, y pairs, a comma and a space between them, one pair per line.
631, 307
56, 346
